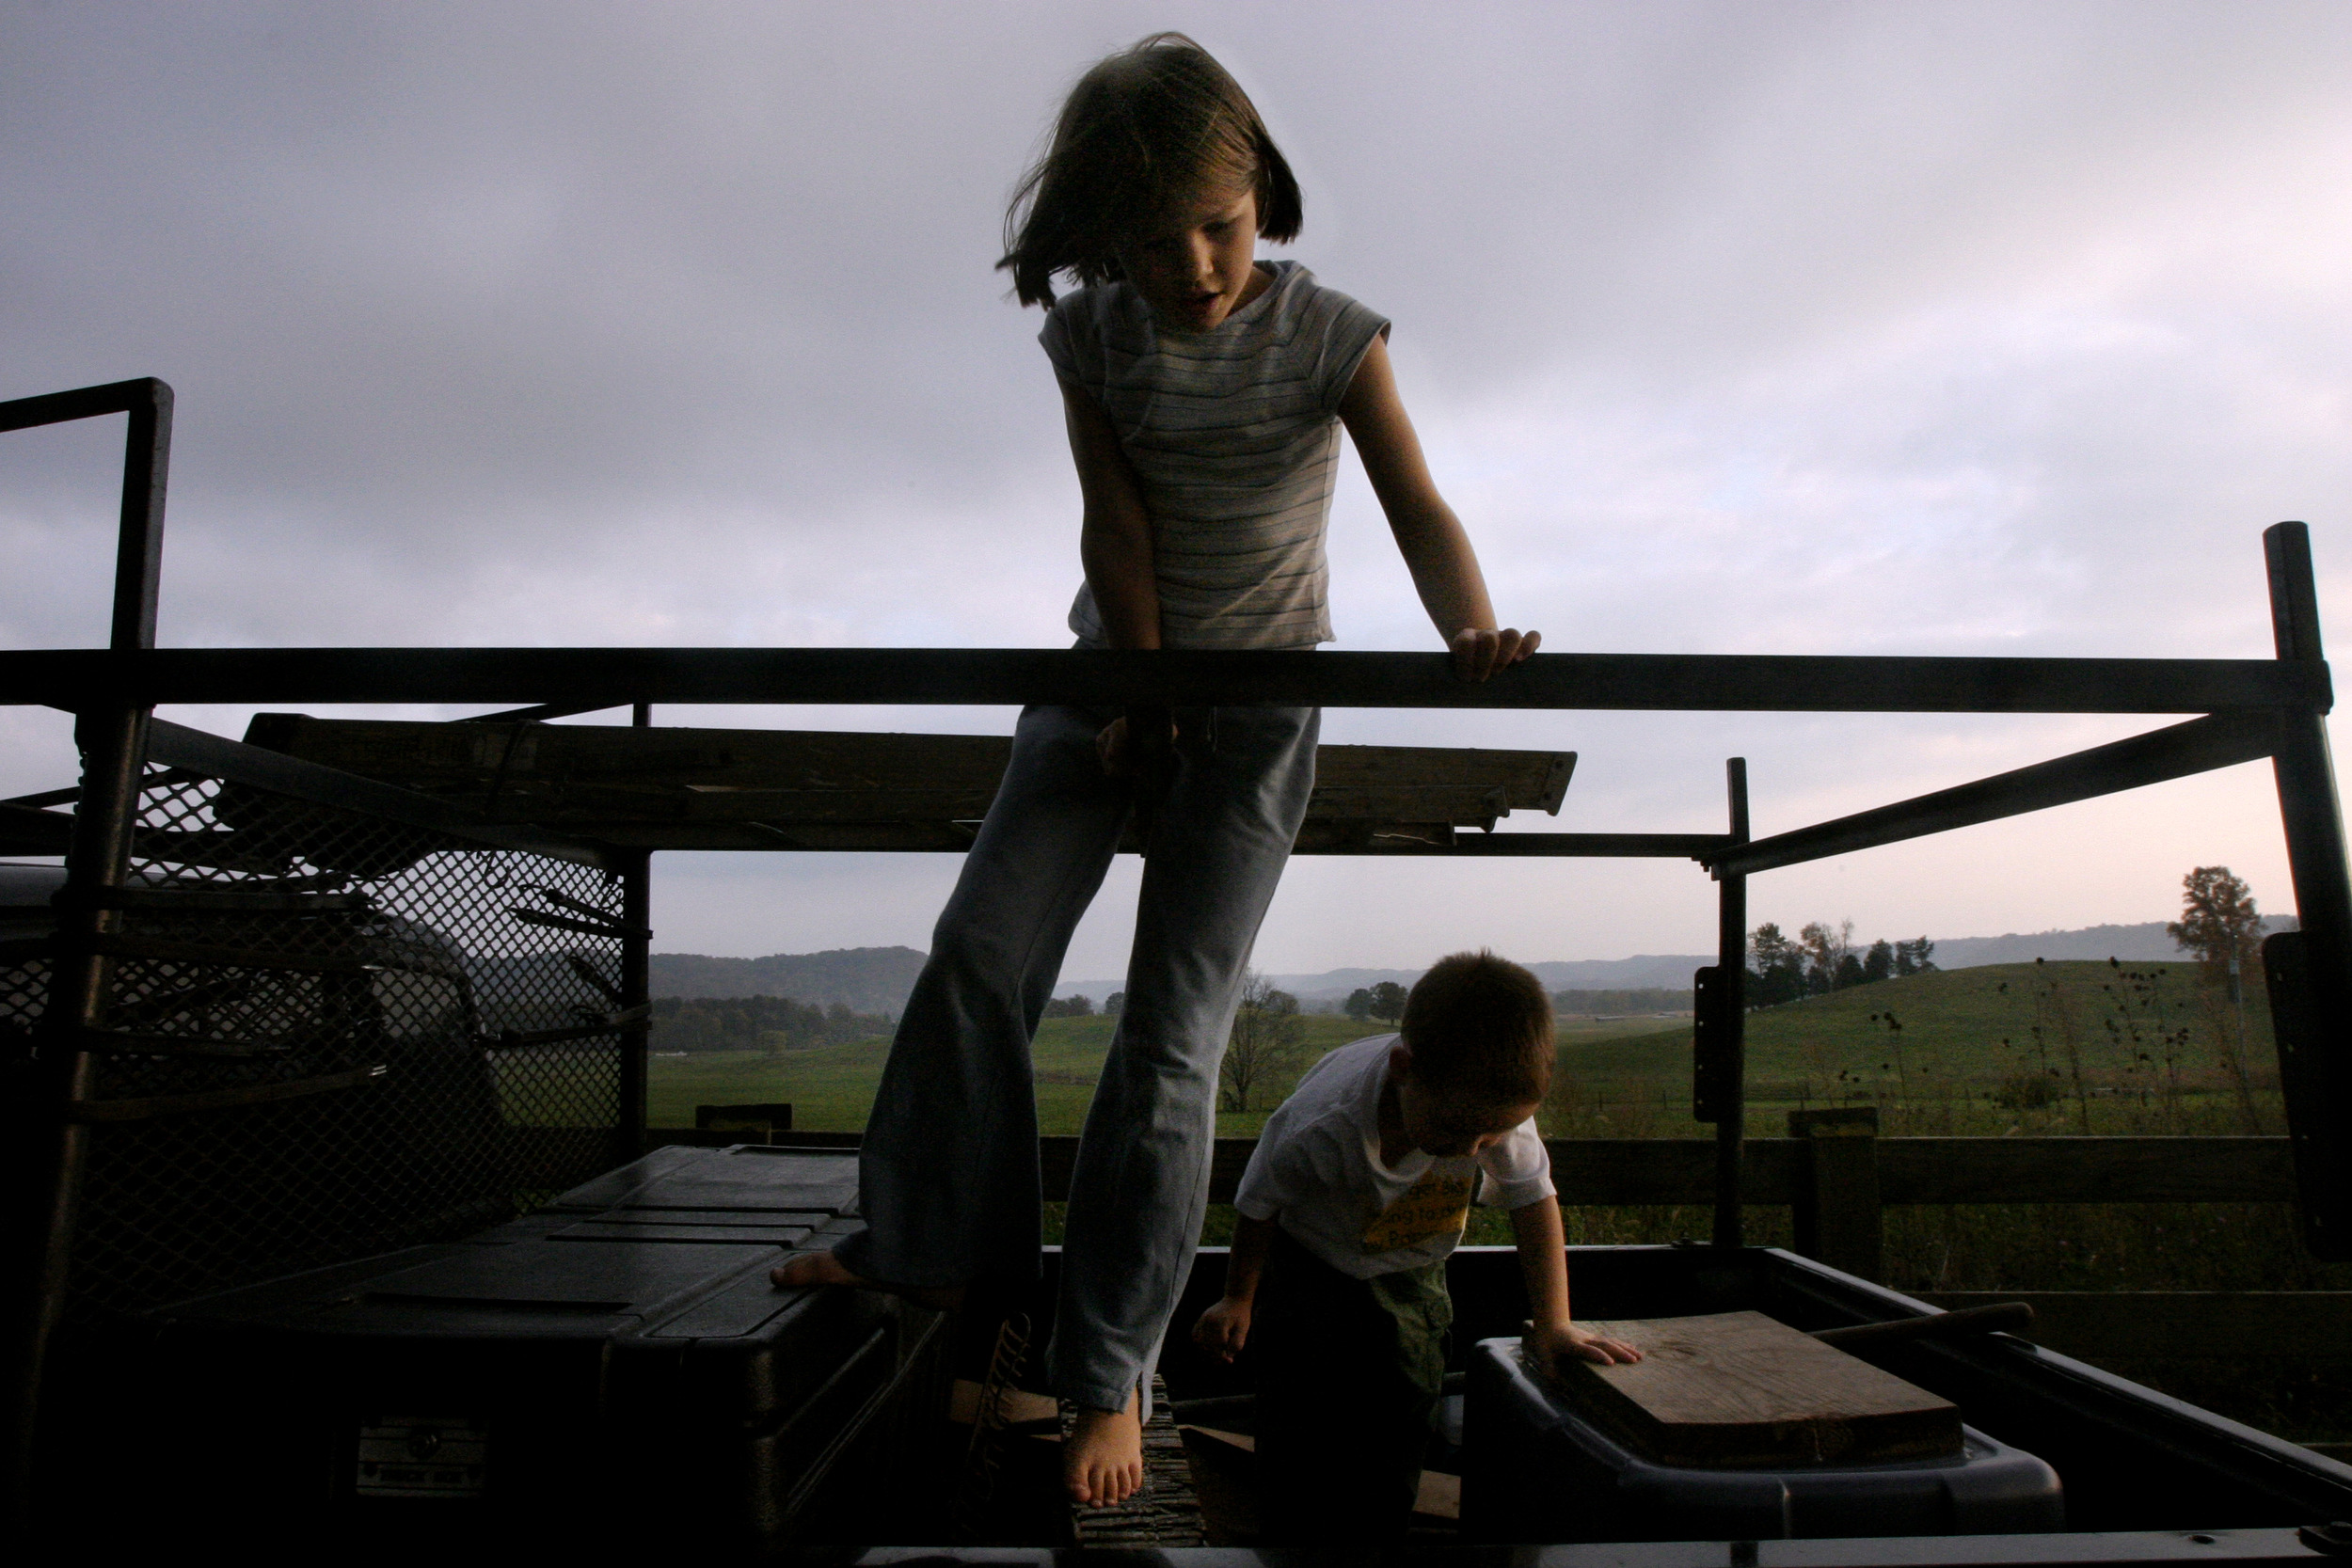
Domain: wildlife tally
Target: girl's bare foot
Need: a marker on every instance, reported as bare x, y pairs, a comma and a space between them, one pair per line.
1102, 1463
823, 1267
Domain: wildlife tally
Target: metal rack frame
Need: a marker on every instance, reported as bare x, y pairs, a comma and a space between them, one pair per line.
2246, 709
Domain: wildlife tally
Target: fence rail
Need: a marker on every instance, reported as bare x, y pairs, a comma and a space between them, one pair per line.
1606, 1172
1841, 1176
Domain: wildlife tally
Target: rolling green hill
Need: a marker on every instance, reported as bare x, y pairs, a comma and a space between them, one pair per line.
2047, 1048
2042, 1047
832, 1087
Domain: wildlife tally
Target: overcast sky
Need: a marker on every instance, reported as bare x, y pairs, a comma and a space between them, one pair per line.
1730, 327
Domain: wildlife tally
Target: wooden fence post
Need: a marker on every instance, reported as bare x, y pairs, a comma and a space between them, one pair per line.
1837, 1199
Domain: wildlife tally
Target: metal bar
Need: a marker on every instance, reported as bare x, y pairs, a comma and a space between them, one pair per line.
1506, 846
113, 744
139, 544
167, 950
1008, 678
152, 1106
1611, 1172
1731, 965
2323, 903
216, 756
536, 715
636, 982
2218, 740
83, 403
507, 1039
585, 927
112, 736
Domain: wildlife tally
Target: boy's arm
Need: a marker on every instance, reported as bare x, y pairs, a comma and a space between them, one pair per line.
1437, 550
1224, 1328
1543, 1262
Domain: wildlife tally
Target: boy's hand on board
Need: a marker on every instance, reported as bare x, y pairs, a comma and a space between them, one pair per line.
1223, 1329
1549, 1344
1478, 653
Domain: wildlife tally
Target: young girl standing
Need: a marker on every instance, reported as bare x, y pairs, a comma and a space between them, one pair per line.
1204, 391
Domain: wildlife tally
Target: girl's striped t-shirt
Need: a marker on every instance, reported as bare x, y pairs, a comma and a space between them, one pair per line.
1234, 437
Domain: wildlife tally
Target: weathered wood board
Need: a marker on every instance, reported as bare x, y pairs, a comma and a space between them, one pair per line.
1741, 1390
674, 788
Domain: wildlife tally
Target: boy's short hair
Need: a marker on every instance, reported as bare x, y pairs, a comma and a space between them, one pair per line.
1480, 1026
1144, 126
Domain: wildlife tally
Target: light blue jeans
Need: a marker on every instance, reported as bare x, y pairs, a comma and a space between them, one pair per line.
948, 1179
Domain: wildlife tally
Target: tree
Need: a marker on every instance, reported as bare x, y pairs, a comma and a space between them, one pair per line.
2218, 920
1388, 1002
1879, 963
1825, 948
1080, 1006
1359, 1004
1777, 967
1911, 958
1267, 1037
1114, 1004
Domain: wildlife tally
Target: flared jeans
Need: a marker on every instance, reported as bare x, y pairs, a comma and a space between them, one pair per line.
948, 1177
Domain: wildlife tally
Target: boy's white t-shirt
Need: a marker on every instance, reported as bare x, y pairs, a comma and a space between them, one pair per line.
1316, 1172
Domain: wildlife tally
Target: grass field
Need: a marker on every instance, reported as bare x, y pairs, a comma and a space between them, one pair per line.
2029, 1049
2037, 1048
832, 1088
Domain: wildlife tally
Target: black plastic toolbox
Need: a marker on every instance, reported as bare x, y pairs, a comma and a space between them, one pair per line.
613, 1364
1536, 1469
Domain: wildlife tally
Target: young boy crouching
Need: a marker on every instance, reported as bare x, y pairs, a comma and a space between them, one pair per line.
1357, 1192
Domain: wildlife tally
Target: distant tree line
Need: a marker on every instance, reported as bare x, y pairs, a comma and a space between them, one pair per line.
772, 1023
1646, 999
1821, 959
1384, 1002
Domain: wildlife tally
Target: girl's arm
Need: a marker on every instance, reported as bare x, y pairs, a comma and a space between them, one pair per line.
1543, 1265
1436, 551
1115, 547
1224, 1328
1115, 540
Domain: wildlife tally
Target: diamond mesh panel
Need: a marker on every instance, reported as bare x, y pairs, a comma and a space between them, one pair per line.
392, 975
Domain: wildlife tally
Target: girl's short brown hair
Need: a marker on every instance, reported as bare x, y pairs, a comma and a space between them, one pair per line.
1144, 127
1480, 1026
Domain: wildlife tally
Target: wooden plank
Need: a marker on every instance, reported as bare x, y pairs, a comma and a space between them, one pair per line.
1608, 1172
2292, 1326
1741, 1390
603, 776
2086, 1170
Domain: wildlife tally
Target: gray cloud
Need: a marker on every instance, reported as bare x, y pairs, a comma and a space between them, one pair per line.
1937, 328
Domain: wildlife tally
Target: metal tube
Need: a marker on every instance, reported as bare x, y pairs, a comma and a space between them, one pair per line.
2218, 740
636, 980
113, 751
1731, 968
2308, 812
139, 543
578, 677
112, 736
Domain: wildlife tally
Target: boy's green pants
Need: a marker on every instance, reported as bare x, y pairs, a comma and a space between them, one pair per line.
1349, 1372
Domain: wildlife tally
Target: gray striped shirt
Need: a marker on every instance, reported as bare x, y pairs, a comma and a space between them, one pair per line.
1234, 435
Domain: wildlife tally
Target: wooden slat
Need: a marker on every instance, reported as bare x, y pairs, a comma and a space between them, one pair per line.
644, 786
2085, 1170
1739, 1388
2179, 1325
